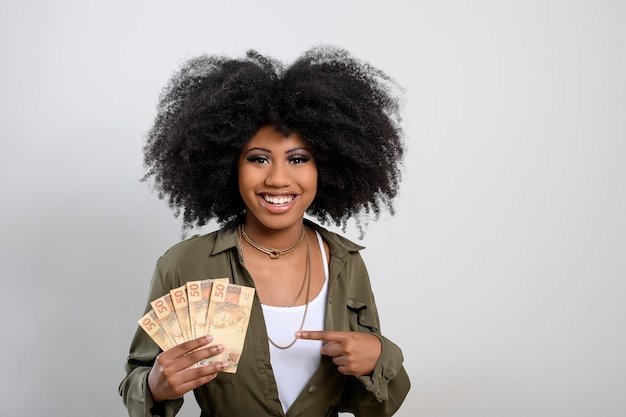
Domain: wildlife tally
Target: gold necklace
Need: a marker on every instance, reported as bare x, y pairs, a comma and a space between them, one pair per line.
292, 302
273, 253
299, 292
308, 292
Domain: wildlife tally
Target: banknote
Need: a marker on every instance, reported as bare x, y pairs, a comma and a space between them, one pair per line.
198, 295
152, 325
210, 306
179, 300
164, 309
227, 318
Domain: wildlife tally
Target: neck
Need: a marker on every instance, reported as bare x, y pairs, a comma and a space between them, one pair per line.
278, 239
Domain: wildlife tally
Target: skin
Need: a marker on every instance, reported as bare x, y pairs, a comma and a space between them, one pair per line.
278, 182
170, 377
280, 166
354, 353
281, 169
277, 178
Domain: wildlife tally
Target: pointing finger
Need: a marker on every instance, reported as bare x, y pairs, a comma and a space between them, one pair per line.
324, 335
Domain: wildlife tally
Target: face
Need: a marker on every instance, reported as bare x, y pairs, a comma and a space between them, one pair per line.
277, 179
227, 318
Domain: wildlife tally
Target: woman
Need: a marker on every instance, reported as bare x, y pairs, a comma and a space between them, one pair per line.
255, 146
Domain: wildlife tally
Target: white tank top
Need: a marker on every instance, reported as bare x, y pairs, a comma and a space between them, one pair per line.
293, 367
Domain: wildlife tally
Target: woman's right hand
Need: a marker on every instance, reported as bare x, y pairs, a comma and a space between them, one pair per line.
171, 376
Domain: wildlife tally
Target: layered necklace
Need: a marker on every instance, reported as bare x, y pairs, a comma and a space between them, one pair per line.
306, 281
273, 253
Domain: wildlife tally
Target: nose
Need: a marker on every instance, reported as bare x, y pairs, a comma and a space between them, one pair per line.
278, 176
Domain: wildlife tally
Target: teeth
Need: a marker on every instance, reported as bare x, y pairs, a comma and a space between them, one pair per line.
278, 200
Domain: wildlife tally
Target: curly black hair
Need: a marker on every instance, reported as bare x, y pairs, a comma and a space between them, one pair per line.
347, 110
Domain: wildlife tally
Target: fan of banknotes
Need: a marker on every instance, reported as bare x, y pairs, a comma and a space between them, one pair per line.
210, 306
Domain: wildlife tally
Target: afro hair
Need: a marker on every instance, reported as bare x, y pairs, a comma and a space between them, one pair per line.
347, 110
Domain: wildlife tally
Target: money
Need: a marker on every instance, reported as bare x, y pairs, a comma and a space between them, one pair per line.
198, 295
152, 325
210, 306
164, 309
227, 318
179, 300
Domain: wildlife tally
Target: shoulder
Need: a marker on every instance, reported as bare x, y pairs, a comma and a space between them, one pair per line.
198, 247
191, 245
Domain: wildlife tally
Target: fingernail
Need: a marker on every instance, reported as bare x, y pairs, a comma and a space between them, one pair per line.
224, 365
298, 334
207, 339
220, 347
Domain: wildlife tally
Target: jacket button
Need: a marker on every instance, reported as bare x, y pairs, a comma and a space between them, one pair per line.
311, 389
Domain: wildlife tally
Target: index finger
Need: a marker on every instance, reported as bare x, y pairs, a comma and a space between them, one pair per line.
324, 335
192, 345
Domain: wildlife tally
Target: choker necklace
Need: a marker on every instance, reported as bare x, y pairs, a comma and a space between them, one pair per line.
307, 276
273, 253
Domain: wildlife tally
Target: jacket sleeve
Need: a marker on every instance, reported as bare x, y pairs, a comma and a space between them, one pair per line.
143, 352
381, 393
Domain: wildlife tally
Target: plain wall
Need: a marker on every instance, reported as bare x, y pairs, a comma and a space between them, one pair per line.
502, 275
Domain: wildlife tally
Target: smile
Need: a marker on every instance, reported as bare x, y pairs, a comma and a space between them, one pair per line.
278, 200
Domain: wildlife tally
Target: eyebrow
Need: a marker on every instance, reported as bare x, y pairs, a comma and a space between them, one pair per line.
269, 151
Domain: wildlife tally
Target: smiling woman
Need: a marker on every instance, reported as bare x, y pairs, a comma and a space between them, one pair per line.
277, 181
346, 110
256, 147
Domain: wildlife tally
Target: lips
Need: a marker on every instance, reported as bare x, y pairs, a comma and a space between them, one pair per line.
278, 200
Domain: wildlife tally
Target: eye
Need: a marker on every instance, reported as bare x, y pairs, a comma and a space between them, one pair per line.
258, 159
299, 159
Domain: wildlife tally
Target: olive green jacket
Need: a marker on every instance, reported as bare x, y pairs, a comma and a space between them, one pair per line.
252, 391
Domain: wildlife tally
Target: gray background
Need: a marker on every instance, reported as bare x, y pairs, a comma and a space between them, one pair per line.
502, 275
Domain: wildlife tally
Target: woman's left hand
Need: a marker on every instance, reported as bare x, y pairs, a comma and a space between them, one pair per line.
354, 353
